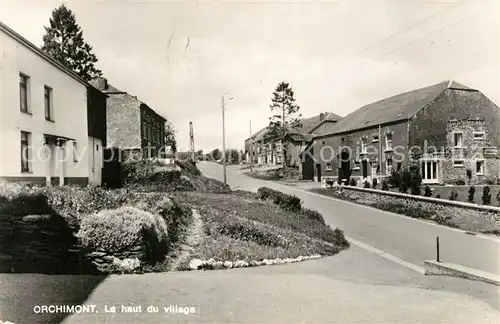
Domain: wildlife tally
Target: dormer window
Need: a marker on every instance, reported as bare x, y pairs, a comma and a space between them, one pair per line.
388, 141
479, 135
375, 139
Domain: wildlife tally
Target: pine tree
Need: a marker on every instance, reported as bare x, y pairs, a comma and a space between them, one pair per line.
63, 40
286, 118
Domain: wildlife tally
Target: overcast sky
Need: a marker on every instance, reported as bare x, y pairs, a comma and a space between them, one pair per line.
180, 57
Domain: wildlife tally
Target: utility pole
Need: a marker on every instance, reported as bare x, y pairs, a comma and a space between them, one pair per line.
191, 140
223, 142
251, 147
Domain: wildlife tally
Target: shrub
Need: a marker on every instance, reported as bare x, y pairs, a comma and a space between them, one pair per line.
329, 182
367, 185
353, 182
312, 214
395, 179
453, 195
438, 196
403, 187
284, 201
468, 173
472, 191
486, 195
460, 182
374, 183
427, 191
124, 228
385, 185
490, 181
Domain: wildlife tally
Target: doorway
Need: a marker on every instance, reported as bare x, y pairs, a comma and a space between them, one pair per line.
318, 172
365, 169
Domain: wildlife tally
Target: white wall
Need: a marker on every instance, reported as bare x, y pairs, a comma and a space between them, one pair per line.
69, 103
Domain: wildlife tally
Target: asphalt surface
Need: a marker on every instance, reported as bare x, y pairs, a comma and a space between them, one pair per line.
354, 286
405, 238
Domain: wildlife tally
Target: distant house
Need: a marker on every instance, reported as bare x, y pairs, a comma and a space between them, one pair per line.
270, 152
52, 122
449, 130
132, 125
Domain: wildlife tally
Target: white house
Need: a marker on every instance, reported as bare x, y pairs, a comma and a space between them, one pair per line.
44, 119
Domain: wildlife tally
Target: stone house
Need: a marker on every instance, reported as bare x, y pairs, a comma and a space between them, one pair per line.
272, 152
132, 126
446, 128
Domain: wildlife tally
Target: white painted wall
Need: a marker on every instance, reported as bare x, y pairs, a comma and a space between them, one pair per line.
69, 111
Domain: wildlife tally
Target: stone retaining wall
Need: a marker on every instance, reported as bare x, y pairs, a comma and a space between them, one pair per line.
35, 243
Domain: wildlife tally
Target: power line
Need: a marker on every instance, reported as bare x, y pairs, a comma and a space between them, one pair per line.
407, 28
433, 33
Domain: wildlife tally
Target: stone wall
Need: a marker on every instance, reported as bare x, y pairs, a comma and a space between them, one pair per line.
35, 243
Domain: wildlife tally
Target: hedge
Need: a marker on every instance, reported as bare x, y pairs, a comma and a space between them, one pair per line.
284, 201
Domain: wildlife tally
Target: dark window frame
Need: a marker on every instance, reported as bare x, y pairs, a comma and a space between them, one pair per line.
23, 97
25, 143
47, 100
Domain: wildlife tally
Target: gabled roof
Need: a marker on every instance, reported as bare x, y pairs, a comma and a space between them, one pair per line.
399, 107
307, 124
9, 31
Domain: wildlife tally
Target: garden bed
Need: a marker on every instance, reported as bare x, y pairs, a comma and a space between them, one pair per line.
457, 217
239, 228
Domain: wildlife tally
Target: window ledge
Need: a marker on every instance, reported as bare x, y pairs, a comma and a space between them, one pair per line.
27, 172
356, 168
388, 150
459, 166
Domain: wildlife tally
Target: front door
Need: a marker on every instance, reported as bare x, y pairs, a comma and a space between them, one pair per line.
318, 172
365, 169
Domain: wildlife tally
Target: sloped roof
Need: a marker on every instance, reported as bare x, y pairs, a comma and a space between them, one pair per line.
399, 107
306, 125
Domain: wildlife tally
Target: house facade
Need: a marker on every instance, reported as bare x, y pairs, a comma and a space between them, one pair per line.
269, 152
132, 125
49, 125
450, 131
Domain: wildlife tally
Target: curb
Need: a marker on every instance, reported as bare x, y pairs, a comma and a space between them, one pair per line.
456, 270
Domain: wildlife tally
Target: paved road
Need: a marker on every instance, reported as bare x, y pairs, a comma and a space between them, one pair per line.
407, 239
354, 286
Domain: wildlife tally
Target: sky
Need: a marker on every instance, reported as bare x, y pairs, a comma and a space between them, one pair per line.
181, 57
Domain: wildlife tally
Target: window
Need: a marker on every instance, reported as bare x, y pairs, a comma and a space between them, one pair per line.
388, 142
398, 166
375, 139
457, 139
356, 165
25, 154
97, 147
48, 102
388, 166
458, 163
23, 93
75, 151
429, 171
364, 148
479, 167
479, 135
328, 167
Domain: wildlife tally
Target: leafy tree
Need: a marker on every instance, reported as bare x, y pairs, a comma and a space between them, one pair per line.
170, 136
232, 156
215, 154
286, 116
63, 40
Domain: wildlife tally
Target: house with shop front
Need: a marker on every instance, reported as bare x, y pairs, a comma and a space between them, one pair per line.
132, 126
450, 131
52, 122
269, 152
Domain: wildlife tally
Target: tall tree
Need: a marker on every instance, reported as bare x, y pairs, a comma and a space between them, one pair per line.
286, 117
170, 136
63, 40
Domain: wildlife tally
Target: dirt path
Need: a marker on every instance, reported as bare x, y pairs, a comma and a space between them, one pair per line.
194, 237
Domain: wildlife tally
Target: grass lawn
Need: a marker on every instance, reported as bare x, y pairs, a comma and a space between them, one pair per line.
236, 226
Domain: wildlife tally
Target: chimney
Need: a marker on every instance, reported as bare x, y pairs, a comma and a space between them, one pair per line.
100, 83
321, 116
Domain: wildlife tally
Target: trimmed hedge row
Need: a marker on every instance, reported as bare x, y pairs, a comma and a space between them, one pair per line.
284, 201
288, 202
